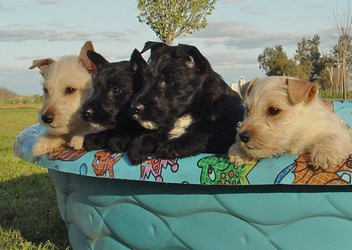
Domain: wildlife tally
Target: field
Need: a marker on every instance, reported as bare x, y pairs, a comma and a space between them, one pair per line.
29, 217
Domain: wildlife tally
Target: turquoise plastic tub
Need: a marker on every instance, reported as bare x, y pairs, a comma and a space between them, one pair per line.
200, 202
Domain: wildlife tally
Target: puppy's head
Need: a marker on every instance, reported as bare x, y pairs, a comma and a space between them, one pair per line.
275, 111
173, 76
114, 85
67, 84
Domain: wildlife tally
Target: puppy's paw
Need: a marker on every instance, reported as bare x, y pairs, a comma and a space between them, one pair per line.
184, 146
41, 149
327, 159
238, 157
140, 149
118, 144
137, 155
76, 142
235, 159
46, 144
240, 160
331, 150
172, 149
95, 141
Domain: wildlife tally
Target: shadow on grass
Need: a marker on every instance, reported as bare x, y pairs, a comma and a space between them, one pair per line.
28, 205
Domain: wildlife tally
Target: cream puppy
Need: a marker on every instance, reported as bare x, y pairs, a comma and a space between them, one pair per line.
285, 116
67, 84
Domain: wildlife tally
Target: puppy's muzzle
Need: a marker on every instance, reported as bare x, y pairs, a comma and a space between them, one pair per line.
136, 110
48, 117
245, 136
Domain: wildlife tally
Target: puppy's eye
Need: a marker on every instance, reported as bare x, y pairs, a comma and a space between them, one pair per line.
45, 90
115, 91
70, 91
273, 111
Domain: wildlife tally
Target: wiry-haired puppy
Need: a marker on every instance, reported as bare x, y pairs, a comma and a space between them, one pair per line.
108, 109
285, 116
187, 106
67, 84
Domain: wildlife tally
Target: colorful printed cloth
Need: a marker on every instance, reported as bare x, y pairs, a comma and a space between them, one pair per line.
204, 169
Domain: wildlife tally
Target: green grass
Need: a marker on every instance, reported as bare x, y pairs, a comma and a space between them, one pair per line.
29, 216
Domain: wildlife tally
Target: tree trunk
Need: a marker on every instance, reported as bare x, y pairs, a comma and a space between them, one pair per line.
344, 78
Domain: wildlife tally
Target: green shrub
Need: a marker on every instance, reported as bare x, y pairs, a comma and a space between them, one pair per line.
327, 94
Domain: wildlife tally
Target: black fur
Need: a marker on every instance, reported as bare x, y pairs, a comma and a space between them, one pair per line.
178, 81
114, 85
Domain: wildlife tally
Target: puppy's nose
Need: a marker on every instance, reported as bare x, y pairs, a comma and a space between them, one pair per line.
137, 108
87, 114
48, 118
245, 136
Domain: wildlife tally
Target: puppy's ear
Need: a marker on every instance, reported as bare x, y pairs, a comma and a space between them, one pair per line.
42, 64
247, 88
137, 61
83, 58
300, 90
192, 57
97, 60
152, 46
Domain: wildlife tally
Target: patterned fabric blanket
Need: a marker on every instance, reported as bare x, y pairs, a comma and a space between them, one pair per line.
202, 169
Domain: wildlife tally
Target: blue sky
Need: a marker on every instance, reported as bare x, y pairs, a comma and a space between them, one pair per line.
237, 32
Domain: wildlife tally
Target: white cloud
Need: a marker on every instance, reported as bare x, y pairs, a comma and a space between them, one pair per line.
22, 33
244, 36
48, 1
232, 1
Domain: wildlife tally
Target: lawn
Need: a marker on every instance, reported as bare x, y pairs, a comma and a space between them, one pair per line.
29, 217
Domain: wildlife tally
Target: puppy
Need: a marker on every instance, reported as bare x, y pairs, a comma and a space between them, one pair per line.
67, 84
285, 116
108, 109
187, 106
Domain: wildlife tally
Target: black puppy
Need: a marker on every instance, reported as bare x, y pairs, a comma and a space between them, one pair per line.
188, 106
114, 84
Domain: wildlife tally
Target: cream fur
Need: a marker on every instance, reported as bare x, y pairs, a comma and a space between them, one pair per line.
180, 126
67, 126
148, 125
308, 127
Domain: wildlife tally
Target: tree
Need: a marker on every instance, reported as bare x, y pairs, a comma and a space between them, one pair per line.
327, 77
344, 44
6, 94
341, 33
274, 61
308, 62
341, 61
171, 18
308, 57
